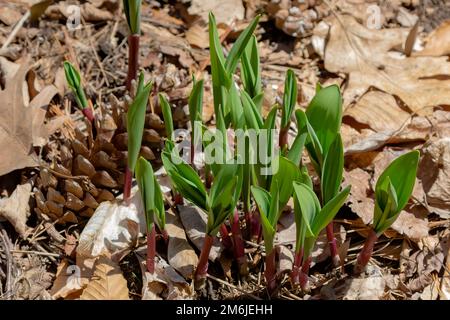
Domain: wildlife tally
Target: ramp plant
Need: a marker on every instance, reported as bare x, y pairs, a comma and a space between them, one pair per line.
310, 220
289, 101
219, 203
74, 81
135, 129
132, 10
323, 119
392, 192
153, 205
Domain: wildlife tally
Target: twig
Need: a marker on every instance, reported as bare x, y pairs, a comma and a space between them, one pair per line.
233, 286
49, 254
14, 32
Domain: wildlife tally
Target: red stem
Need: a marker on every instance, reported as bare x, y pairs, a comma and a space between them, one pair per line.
226, 240
177, 199
202, 266
296, 267
133, 58
283, 138
333, 245
127, 184
239, 248
255, 225
151, 250
304, 281
271, 271
89, 114
366, 252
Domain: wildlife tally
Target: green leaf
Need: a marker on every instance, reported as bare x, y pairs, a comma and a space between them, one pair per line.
333, 168
289, 98
402, 174
74, 81
325, 115
151, 194
283, 179
239, 46
386, 213
132, 10
186, 181
262, 199
250, 71
135, 125
167, 115
312, 143
274, 209
329, 211
235, 107
306, 208
252, 116
296, 150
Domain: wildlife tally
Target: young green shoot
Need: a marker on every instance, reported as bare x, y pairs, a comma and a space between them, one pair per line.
271, 204
392, 192
310, 220
74, 81
135, 129
219, 203
323, 121
153, 204
132, 10
251, 72
289, 102
195, 113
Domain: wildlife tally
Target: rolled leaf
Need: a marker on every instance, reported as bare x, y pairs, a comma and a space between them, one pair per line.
289, 98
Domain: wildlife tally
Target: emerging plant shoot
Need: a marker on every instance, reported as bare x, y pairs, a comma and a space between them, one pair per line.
132, 10
74, 81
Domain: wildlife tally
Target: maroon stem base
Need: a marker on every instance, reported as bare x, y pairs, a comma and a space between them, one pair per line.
283, 138
271, 271
295, 274
133, 59
239, 247
202, 267
127, 184
177, 199
304, 280
255, 225
226, 240
366, 252
89, 114
151, 249
333, 245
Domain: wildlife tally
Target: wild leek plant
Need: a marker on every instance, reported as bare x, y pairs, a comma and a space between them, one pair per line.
132, 10
323, 121
153, 204
392, 192
219, 203
271, 204
289, 102
310, 220
74, 81
135, 129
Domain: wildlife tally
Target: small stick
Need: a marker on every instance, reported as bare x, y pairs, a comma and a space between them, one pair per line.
14, 32
233, 286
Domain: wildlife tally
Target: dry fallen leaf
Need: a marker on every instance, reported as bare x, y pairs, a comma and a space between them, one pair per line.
225, 11
67, 284
113, 230
369, 288
107, 282
366, 56
21, 126
15, 209
180, 254
437, 42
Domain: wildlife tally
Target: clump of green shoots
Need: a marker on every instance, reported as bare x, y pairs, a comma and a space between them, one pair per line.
132, 10
219, 203
323, 122
153, 204
310, 220
135, 129
392, 192
271, 204
74, 81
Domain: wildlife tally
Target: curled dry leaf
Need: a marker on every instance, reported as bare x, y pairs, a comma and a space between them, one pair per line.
165, 283
107, 282
113, 230
15, 209
194, 222
225, 11
437, 42
180, 254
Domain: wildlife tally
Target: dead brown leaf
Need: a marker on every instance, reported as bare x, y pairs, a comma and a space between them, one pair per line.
180, 254
225, 11
437, 42
107, 282
16, 134
15, 209
9, 16
366, 56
